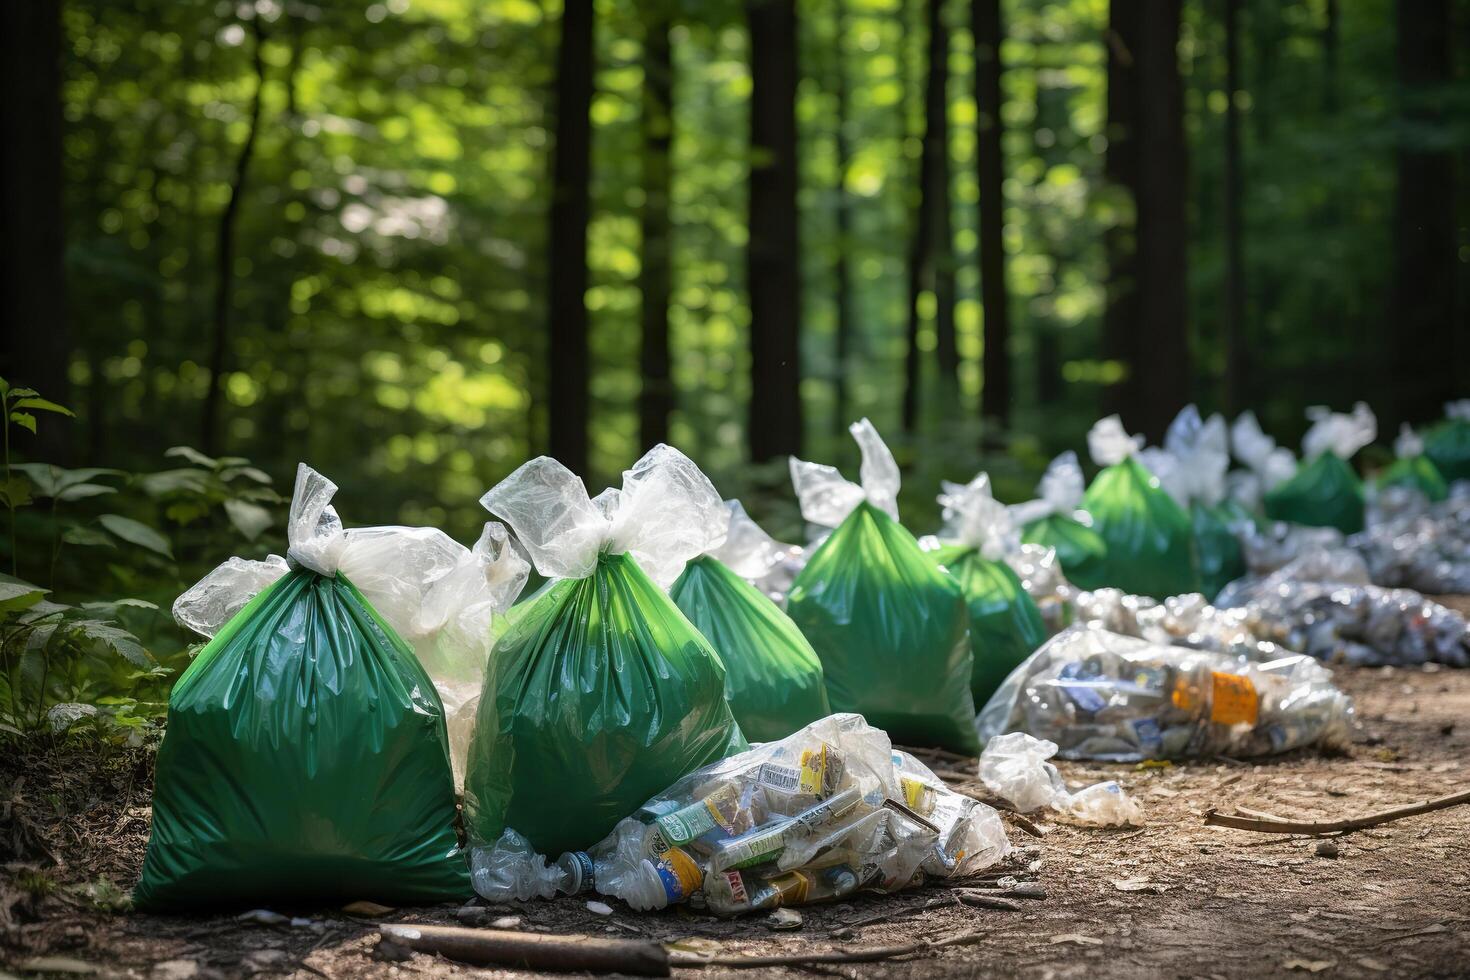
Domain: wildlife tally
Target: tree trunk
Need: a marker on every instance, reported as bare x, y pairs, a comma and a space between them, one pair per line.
568, 361
931, 262
1236, 350
656, 397
1146, 323
995, 390
1423, 316
844, 327
224, 285
772, 255
37, 342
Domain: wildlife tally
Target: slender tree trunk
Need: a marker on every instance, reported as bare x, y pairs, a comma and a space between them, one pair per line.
568, 368
773, 254
995, 391
1423, 317
931, 261
1236, 350
1329, 58
845, 327
656, 397
1148, 302
1120, 169
36, 348
224, 287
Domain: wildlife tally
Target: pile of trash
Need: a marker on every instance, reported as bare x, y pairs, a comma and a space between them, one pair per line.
1104, 696
828, 811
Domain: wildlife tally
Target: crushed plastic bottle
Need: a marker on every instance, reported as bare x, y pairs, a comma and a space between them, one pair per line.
1101, 695
825, 812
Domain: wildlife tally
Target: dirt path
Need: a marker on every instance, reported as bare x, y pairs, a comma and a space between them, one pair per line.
1174, 899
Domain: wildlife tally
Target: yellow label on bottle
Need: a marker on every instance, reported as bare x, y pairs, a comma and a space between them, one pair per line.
916, 794
813, 770
1234, 700
792, 887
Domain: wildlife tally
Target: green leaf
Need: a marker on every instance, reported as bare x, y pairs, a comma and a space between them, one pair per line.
87, 537
249, 472
111, 637
84, 490
16, 594
51, 479
251, 520
15, 492
186, 511
24, 419
192, 455
43, 405
136, 532
166, 482
23, 393
129, 603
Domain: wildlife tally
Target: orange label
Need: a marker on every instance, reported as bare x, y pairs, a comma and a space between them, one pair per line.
1235, 701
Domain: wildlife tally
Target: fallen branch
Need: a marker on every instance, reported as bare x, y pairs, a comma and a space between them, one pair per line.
1273, 825
873, 955
532, 951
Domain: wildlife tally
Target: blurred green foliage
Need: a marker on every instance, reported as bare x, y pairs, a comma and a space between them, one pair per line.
389, 277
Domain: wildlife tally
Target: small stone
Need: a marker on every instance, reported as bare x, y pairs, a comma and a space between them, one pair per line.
1327, 849
367, 910
390, 952
176, 970
472, 915
599, 908
784, 919
506, 922
262, 917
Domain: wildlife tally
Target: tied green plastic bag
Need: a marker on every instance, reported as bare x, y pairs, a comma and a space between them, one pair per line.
603, 691
1413, 469
1150, 538
890, 627
1005, 624
1447, 444
1054, 521
773, 678
1191, 467
306, 757
1325, 492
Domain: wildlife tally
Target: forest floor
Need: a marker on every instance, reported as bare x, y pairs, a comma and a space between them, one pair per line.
1174, 898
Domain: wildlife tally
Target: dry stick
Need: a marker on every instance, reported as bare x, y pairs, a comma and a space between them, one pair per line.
696, 961
502, 947
1262, 825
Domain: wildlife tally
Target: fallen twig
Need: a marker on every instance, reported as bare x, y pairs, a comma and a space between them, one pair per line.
873, 955
1026, 824
534, 951
1273, 825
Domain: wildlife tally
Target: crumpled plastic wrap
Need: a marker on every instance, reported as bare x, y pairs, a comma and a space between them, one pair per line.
826, 497
755, 556
1184, 620
511, 870
1322, 604
1339, 433
828, 811
1014, 768
1100, 695
1267, 465
438, 595
1042, 577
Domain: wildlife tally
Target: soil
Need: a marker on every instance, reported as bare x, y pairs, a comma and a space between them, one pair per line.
1174, 898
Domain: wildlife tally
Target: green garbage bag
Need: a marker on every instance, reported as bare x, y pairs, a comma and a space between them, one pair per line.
603, 691
1005, 624
773, 678
1325, 492
1191, 467
1054, 521
1413, 469
306, 757
1447, 444
890, 627
1149, 536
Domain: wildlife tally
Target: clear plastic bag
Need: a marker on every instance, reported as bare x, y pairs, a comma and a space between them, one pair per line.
1410, 543
1101, 695
828, 811
755, 556
1014, 768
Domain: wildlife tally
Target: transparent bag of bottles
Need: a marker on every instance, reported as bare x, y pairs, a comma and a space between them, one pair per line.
1108, 697
828, 811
